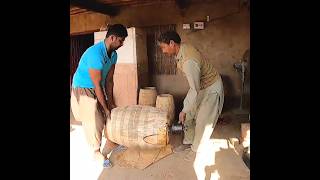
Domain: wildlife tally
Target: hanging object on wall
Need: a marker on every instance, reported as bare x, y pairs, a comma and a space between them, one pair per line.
243, 67
198, 25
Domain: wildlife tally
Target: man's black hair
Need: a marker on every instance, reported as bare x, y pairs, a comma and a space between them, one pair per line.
169, 35
117, 30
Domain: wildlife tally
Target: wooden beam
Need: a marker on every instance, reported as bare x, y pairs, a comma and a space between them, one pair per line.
84, 32
134, 2
78, 11
183, 4
96, 6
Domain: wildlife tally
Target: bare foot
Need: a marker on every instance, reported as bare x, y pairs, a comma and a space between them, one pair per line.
99, 156
108, 147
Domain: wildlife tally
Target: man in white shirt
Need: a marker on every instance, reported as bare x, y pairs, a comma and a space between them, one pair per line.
204, 100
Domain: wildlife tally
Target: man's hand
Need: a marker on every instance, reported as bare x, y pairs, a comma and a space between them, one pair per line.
95, 76
112, 106
182, 117
107, 113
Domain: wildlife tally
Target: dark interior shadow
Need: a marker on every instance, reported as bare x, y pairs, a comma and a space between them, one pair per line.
231, 101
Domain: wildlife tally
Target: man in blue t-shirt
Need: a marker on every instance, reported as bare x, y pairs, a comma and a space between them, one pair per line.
92, 89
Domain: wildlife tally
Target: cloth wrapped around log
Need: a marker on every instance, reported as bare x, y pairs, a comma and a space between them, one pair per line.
140, 126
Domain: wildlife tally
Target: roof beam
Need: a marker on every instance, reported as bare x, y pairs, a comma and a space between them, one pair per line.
93, 5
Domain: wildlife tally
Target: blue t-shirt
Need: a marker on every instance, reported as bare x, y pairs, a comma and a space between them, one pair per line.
95, 57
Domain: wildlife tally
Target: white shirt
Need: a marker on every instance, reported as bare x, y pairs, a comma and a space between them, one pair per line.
192, 72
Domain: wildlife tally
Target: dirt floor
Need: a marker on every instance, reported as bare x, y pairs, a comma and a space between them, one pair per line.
222, 160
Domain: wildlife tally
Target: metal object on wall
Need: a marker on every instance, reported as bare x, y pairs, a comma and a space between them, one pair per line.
243, 67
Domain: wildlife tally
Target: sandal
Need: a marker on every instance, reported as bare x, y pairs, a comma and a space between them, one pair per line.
107, 164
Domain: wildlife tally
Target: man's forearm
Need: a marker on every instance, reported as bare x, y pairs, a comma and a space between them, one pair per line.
190, 100
110, 93
192, 71
101, 98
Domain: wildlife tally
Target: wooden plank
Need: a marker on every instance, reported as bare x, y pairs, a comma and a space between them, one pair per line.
84, 32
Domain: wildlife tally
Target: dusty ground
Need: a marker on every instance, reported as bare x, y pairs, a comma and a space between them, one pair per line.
222, 160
